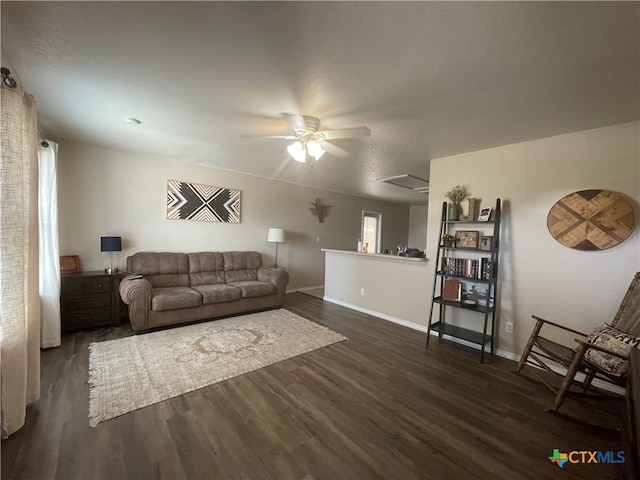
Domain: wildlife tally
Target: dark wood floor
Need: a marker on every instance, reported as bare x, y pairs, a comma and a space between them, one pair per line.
379, 405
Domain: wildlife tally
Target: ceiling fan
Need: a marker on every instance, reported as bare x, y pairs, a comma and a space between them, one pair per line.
311, 142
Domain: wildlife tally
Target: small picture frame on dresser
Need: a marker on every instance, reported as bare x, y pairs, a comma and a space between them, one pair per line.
70, 264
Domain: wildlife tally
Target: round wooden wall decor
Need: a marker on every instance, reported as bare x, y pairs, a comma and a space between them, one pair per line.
591, 220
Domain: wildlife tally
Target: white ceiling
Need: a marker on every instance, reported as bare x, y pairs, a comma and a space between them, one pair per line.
430, 79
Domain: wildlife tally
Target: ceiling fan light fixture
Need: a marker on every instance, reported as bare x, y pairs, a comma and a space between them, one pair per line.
297, 151
314, 149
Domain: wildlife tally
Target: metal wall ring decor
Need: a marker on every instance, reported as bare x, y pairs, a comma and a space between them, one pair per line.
591, 220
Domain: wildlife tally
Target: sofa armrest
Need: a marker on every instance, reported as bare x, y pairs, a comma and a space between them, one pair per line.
137, 294
278, 276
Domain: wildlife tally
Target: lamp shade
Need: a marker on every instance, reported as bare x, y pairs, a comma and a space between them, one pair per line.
110, 244
276, 235
314, 149
297, 151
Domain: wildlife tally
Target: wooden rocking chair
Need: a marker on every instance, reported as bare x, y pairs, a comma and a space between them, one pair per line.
602, 355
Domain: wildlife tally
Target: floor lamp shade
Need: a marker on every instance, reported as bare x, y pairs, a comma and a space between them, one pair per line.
276, 235
111, 244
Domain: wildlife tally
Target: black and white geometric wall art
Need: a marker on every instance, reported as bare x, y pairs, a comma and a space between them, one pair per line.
205, 203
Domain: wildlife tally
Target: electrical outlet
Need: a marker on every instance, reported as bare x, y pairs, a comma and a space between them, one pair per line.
317, 239
362, 291
508, 327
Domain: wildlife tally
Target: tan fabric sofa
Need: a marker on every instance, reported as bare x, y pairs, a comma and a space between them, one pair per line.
185, 287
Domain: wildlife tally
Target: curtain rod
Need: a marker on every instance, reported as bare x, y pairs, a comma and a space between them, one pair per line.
11, 83
7, 79
43, 142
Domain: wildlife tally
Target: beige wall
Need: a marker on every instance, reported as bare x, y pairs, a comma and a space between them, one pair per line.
106, 192
386, 286
418, 226
539, 275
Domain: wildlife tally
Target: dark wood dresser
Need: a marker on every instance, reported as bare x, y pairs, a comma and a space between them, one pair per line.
89, 300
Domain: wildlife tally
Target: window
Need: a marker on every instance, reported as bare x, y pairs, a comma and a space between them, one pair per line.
371, 228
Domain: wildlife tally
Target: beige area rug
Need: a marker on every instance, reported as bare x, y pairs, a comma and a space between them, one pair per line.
134, 372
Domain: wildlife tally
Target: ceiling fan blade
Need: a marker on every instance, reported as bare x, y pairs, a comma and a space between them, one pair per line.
286, 137
356, 132
334, 150
296, 121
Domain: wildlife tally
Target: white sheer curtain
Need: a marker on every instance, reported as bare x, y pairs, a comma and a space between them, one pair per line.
19, 299
49, 249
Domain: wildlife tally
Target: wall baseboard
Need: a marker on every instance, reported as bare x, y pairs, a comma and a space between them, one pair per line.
501, 353
415, 326
373, 313
304, 289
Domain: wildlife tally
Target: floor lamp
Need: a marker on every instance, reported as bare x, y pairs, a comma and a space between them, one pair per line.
276, 235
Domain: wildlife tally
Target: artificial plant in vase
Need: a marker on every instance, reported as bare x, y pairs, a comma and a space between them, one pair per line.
455, 196
448, 241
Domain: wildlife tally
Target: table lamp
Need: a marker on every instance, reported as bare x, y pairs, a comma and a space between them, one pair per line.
111, 244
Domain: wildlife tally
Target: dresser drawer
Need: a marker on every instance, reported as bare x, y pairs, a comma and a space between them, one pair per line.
89, 300
85, 319
86, 286
86, 302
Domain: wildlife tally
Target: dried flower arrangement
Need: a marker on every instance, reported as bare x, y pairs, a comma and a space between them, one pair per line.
457, 193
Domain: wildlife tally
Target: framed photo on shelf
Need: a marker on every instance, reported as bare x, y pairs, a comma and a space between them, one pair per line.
467, 239
69, 264
485, 243
485, 214
477, 292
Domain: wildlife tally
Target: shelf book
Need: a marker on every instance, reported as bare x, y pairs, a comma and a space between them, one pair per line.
480, 268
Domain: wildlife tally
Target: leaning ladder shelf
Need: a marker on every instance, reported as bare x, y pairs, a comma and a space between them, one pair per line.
480, 271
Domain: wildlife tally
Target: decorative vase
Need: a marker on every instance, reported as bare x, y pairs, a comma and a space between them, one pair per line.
454, 211
473, 209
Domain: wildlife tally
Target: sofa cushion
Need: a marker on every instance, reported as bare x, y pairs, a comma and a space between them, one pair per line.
255, 288
206, 268
161, 269
241, 266
175, 297
218, 293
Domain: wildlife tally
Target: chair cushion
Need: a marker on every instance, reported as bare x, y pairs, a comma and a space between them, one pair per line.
608, 337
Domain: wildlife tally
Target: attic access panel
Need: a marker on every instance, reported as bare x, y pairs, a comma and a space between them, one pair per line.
411, 182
